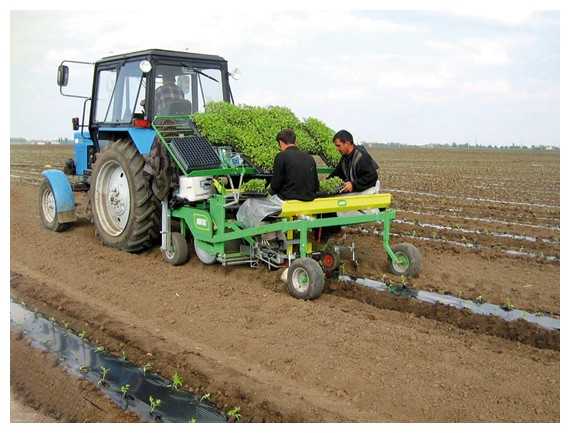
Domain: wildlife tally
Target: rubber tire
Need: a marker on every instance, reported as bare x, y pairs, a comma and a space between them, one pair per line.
181, 250
414, 256
55, 225
143, 228
203, 256
316, 278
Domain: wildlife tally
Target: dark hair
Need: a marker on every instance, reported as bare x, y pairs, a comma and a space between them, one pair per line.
287, 136
344, 136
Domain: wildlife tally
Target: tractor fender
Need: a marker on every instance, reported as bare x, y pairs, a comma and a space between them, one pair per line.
63, 195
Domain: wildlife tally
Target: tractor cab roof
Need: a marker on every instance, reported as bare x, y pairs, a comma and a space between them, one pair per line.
163, 54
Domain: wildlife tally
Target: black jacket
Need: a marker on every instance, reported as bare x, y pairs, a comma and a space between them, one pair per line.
359, 168
294, 175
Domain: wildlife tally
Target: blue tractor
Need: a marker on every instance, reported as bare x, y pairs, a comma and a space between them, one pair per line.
114, 161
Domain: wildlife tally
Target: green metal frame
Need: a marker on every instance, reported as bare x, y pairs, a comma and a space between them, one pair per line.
213, 230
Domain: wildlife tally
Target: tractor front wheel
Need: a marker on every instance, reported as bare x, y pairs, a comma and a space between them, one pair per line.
305, 278
48, 211
125, 211
409, 260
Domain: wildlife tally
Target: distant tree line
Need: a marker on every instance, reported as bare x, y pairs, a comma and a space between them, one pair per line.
23, 140
467, 146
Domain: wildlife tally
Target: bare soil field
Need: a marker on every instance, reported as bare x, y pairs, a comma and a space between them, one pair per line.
237, 334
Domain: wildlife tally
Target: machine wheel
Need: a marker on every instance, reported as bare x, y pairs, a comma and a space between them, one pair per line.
179, 253
330, 260
411, 260
305, 279
47, 208
125, 212
205, 257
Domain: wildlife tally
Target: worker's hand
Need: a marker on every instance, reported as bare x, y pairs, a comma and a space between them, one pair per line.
347, 187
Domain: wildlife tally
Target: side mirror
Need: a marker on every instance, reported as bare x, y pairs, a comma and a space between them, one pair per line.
184, 83
235, 74
62, 75
75, 123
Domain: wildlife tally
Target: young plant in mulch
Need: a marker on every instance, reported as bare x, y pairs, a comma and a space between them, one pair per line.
205, 397
508, 305
176, 382
480, 300
104, 373
154, 404
146, 367
84, 369
234, 414
125, 390
83, 334
99, 349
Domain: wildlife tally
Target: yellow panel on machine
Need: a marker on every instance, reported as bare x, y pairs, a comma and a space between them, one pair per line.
337, 203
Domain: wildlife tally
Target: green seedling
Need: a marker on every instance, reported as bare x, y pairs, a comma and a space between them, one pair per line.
331, 186
508, 305
146, 368
177, 381
82, 334
104, 373
480, 300
235, 413
66, 325
193, 420
125, 390
154, 403
99, 349
205, 397
254, 185
52, 319
84, 369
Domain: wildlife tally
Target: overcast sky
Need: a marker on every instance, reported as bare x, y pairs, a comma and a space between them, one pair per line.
411, 77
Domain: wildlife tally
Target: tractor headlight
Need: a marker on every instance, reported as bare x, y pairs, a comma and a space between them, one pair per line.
145, 66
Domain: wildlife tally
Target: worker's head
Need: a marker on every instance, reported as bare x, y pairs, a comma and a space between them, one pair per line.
286, 138
168, 77
344, 142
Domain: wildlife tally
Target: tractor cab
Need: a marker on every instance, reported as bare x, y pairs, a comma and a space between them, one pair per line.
129, 90
140, 85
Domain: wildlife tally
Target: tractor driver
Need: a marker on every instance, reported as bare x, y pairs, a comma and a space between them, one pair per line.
356, 167
294, 177
167, 93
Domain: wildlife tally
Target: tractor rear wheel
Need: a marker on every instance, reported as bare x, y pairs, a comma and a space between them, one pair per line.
305, 278
409, 260
125, 212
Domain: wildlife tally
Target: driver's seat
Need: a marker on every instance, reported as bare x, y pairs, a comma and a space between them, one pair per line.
178, 106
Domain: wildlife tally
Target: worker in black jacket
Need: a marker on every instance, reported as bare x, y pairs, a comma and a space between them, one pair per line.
294, 171
356, 167
294, 178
